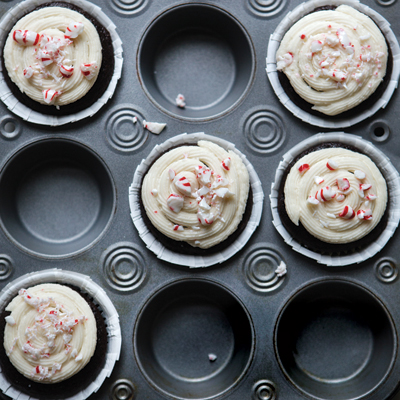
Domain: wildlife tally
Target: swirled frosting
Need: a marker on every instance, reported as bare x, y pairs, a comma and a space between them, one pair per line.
338, 195
333, 59
53, 55
196, 194
50, 334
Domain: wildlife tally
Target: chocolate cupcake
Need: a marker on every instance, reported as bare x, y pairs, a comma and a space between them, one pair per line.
58, 59
195, 200
333, 200
334, 66
55, 335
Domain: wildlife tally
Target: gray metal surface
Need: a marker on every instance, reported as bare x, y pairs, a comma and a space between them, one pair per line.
71, 212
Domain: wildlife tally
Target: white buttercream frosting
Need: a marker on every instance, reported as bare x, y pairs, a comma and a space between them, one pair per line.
339, 198
334, 59
50, 334
49, 70
196, 194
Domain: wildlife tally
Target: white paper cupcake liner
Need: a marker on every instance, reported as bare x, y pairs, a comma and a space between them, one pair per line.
107, 308
26, 113
193, 261
299, 12
393, 207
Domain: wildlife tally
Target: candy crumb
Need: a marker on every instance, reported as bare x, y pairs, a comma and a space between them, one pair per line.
154, 127
134, 120
212, 357
180, 101
281, 270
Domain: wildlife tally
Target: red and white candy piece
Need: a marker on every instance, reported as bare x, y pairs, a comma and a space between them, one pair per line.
66, 71
205, 220
318, 180
332, 165
74, 29
28, 72
223, 192
359, 174
26, 38
171, 174
175, 202
182, 184
371, 196
180, 101
325, 194
89, 70
284, 61
50, 95
365, 186
226, 164
347, 213
204, 176
178, 228
219, 181
304, 168
204, 205
316, 46
364, 214
340, 197
312, 200
204, 190
44, 57
153, 127
343, 184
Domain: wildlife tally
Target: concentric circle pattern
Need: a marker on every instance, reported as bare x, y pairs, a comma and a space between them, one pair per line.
128, 7
10, 127
386, 3
386, 270
266, 8
264, 390
6, 266
259, 266
123, 133
264, 130
122, 389
124, 266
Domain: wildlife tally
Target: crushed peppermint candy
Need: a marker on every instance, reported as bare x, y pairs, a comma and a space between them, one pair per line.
180, 101
178, 228
50, 95
284, 61
154, 127
226, 164
319, 180
312, 200
89, 70
359, 175
347, 213
28, 72
325, 194
182, 184
332, 165
364, 214
212, 357
175, 202
281, 270
26, 37
303, 168
343, 184
74, 29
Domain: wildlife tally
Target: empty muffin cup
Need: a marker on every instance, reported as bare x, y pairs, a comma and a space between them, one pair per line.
57, 197
335, 340
193, 339
201, 52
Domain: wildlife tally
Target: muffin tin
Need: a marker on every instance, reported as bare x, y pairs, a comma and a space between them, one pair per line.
235, 330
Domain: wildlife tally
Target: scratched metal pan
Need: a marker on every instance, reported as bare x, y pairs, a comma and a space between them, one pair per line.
231, 331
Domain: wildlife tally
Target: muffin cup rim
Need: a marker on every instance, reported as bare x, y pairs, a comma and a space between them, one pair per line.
21, 110
393, 186
272, 73
193, 261
87, 285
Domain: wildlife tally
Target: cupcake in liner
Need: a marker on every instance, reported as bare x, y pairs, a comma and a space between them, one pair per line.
103, 89
300, 107
337, 254
100, 300
194, 257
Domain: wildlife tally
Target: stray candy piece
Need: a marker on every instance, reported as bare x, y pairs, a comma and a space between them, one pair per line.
175, 202
304, 168
212, 357
359, 174
226, 164
89, 70
154, 127
154, 192
180, 101
74, 29
26, 38
347, 213
134, 119
364, 214
66, 71
332, 165
178, 228
28, 72
371, 196
319, 180
281, 270
50, 95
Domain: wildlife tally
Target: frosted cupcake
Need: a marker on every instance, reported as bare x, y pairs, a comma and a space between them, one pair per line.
58, 59
333, 200
54, 340
197, 198
333, 63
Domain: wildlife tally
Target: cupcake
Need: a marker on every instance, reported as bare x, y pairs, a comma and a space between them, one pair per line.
198, 197
58, 59
54, 337
333, 64
332, 202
